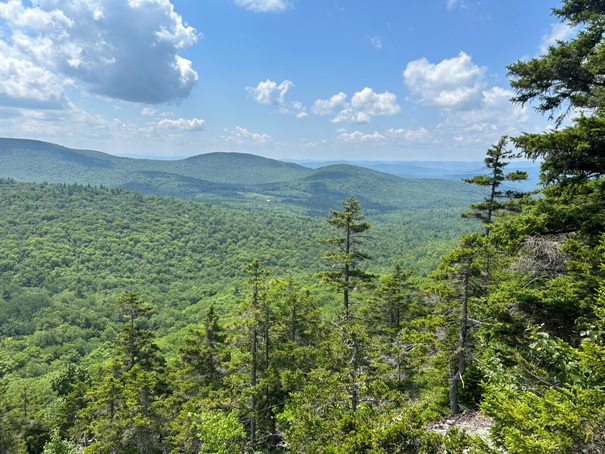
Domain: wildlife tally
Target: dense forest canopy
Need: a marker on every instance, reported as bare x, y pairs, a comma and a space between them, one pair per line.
148, 324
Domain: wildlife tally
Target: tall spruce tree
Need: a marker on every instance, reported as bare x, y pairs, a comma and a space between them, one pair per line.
496, 160
258, 319
461, 271
344, 254
344, 277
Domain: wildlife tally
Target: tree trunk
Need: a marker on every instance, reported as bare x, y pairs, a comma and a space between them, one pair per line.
456, 378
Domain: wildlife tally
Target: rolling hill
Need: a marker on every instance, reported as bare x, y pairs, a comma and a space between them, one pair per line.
233, 179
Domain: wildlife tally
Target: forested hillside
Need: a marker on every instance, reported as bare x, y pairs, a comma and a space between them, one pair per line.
233, 179
148, 324
71, 252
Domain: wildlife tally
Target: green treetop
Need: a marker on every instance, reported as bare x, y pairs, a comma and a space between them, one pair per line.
344, 253
495, 161
569, 77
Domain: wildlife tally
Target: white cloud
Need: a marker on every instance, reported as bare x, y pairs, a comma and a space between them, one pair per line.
471, 112
242, 136
389, 137
182, 124
327, 106
364, 105
408, 134
263, 6
124, 50
558, 32
25, 84
453, 83
375, 103
299, 110
268, 92
148, 111
358, 136
494, 117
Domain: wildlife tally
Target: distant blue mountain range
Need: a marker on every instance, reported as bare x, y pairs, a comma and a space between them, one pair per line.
448, 170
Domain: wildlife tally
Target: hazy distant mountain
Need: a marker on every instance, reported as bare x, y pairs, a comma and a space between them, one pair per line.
449, 170
241, 178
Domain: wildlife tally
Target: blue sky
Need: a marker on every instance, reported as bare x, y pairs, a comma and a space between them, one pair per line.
286, 79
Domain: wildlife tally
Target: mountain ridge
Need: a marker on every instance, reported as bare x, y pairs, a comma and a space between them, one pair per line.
235, 179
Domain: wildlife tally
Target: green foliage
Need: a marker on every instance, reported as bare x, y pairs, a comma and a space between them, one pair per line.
570, 155
345, 254
231, 179
497, 200
220, 433
569, 74
230, 361
56, 445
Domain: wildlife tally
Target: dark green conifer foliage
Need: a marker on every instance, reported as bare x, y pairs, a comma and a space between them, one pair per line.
496, 160
125, 412
393, 297
258, 315
204, 352
570, 74
71, 385
461, 270
344, 278
135, 344
198, 383
345, 254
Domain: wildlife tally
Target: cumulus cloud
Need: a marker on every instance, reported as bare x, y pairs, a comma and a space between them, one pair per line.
495, 116
349, 115
263, 6
471, 111
375, 103
364, 105
182, 124
299, 110
27, 85
242, 136
123, 50
453, 83
408, 134
390, 136
269, 92
358, 136
495, 112
327, 106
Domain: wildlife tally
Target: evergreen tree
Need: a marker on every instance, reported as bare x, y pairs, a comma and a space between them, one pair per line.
251, 348
198, 383
495, 161
345, 277
125, 412
461, 271
345, 254
204, 353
